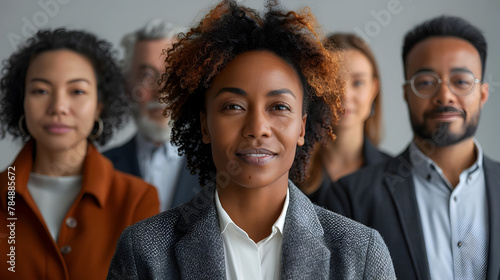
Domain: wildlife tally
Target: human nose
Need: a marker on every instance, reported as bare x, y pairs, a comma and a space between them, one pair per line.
256, 125
348, 93
444, 96
59, 104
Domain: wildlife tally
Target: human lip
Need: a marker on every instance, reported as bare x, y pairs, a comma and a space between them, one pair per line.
57, 128
347, 112
257, 157
444, 116
445, 113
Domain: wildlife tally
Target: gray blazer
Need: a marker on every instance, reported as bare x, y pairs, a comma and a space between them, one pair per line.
186, 243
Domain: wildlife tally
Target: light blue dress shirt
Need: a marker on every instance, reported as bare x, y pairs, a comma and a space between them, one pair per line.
160, 166
454, 219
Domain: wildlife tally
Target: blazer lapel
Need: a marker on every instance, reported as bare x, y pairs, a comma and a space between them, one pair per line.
200, 251
492, 179
399, 180
124, 158
304, 255
186, 187
131, 149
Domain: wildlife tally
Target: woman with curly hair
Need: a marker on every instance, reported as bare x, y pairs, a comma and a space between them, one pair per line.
249, 96
59, 92
358, 131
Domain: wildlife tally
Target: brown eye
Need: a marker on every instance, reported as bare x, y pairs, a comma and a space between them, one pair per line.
39, 91
233, 107
281, 107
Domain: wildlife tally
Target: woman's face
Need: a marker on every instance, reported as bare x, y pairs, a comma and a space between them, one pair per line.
60, 102
254, 120
361, 89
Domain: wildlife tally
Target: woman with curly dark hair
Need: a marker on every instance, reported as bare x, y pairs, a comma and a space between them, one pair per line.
249, 96
59, 92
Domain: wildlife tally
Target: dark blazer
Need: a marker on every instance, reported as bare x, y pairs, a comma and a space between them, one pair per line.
186, 243
371, 156
124, 158
383, 197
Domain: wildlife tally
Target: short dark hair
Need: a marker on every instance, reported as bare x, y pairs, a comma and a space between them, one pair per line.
447, 26
227, 31
110, 86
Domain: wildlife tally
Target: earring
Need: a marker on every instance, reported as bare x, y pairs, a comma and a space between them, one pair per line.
372, 112
94, 136
20, 125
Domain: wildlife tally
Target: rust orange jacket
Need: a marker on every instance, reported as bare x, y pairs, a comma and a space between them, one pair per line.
108, 202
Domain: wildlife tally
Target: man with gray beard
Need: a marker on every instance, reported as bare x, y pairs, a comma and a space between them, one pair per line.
437, 204
149, 154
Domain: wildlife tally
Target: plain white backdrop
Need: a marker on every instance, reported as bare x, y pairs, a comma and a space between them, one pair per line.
382, 23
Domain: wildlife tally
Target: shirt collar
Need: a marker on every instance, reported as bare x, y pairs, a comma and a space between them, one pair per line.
225, 220
424, 166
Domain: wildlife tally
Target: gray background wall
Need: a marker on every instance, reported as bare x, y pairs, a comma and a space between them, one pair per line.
382, 23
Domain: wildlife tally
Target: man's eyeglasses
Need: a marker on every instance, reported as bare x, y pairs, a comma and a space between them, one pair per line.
427, 83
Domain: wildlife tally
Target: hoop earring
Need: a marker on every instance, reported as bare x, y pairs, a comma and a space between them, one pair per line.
96, 135
20, 126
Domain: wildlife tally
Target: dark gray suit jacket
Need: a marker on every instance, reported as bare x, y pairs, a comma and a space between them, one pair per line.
186, 243
383, 197
124, 158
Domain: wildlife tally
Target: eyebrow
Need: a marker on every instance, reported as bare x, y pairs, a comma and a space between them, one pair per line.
456, 69
359, 74
69, 82
239, 91
460, 69
424, 70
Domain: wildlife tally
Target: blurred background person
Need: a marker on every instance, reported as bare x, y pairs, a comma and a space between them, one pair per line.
360, 128
149, 154
59, 92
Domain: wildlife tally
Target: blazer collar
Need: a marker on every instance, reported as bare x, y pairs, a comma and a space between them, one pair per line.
492, 179
130, 158
399, 181
303, 240
201, 251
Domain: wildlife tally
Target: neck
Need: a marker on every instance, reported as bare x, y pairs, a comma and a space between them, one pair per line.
451, 159
346, 153
68, 162
254, 210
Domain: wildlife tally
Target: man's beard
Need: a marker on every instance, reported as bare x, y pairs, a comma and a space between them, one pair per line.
441, 136
151, 130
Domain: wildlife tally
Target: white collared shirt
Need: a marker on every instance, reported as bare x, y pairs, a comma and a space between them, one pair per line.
244, 259
160, 166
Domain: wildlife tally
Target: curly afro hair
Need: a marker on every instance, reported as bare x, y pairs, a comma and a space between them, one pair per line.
110, 80
227, 31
